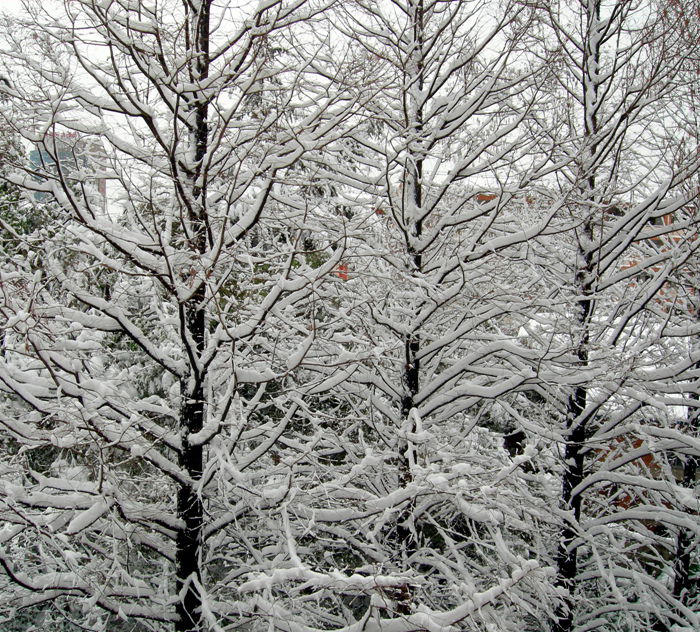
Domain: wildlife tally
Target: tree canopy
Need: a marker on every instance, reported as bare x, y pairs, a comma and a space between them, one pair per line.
349, 316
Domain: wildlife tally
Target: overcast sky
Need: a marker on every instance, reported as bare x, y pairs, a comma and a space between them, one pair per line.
15, 6
9, 6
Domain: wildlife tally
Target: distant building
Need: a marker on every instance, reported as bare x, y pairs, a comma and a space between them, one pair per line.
75, 156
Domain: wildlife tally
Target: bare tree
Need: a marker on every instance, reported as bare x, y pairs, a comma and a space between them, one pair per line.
434, 286
381, 323
624, 195
145, 370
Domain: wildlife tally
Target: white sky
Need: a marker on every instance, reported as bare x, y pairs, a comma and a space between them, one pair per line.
10, 6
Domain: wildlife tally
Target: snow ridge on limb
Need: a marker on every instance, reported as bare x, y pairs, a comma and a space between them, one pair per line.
423, 619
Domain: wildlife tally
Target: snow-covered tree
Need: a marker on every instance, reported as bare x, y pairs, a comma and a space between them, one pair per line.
386, 318
150, 347
626, 200
433, 288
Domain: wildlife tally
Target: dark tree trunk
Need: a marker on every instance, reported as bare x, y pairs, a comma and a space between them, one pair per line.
190, 506
575, 437
576, 424
683, 584
190, 511
406, 529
